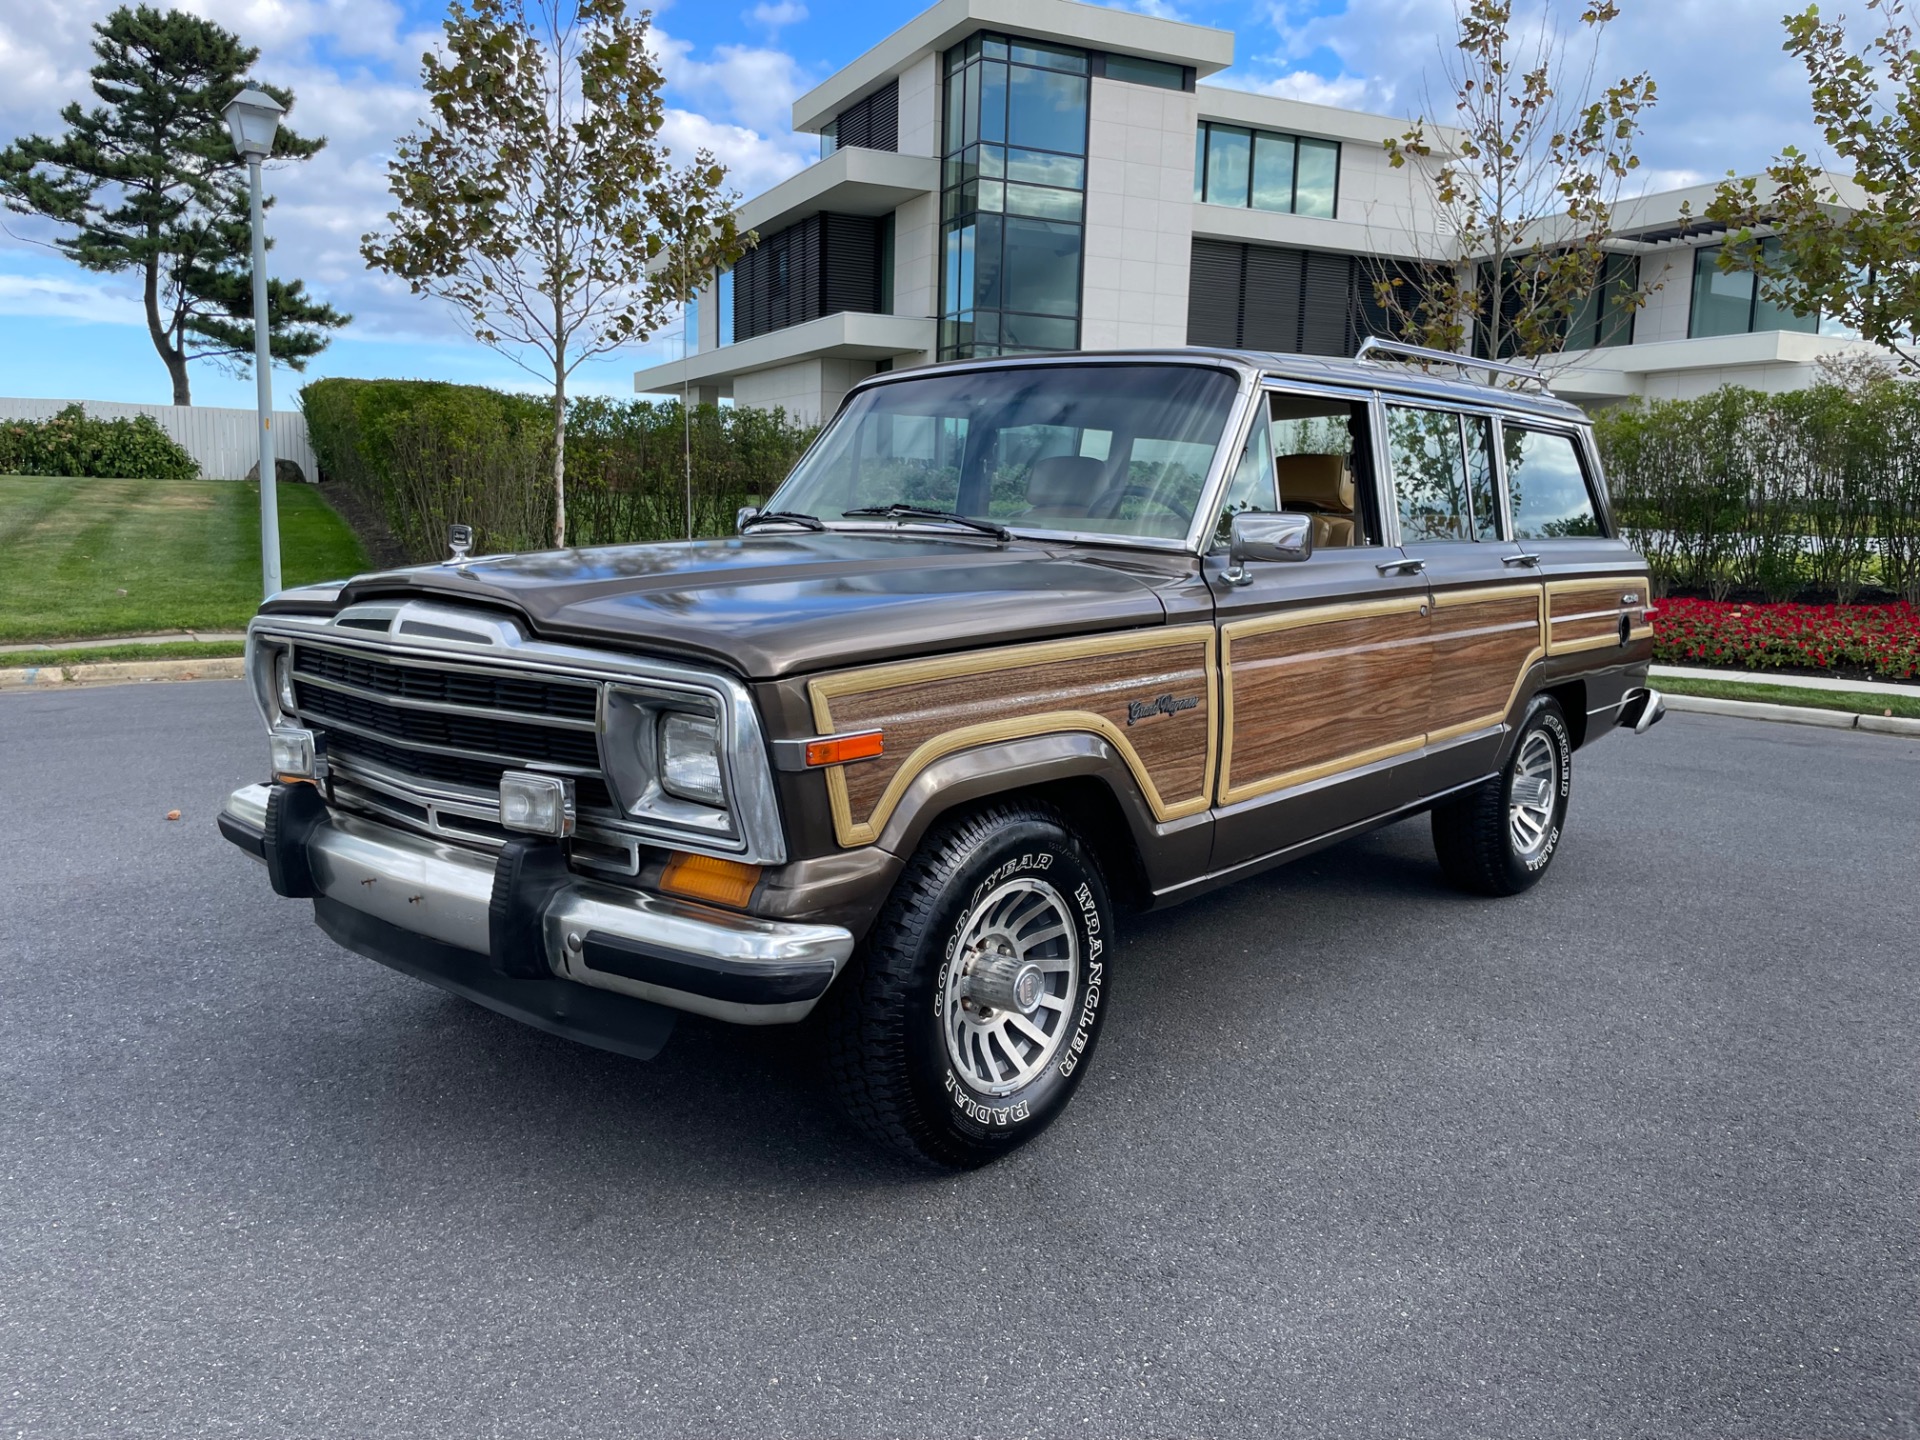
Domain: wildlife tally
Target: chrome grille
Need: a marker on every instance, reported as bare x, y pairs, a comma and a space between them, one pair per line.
439, 726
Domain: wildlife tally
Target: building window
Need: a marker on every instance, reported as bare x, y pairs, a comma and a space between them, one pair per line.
1274, 297
1136, 71
1732, 302
1014, 173
690, 326
1605, 318
723, 305
1265, 170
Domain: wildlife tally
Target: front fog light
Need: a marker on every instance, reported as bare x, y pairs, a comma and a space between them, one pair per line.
690, 758
536, 804
295, 754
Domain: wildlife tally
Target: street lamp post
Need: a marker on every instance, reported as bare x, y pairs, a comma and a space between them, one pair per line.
252, 117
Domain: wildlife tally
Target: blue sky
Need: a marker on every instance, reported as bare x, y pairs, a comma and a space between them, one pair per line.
1729, 100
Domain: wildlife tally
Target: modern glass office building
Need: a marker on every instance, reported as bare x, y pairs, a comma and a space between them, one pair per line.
1007, 177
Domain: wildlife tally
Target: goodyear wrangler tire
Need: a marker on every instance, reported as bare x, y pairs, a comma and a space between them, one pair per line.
1499, 837
969, 1016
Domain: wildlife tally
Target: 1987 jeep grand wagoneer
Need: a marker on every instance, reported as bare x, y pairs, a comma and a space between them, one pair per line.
1020, 645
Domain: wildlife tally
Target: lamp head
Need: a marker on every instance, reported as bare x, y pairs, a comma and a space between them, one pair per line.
252, 118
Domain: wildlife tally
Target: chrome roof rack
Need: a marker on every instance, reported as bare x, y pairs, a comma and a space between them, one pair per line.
1373, 348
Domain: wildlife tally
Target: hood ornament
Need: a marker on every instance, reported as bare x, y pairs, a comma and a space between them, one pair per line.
460, 541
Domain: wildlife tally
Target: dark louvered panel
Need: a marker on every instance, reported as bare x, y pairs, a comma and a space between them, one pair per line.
872, 123
556, 699
1326, 304
850, 264
449, 728
1214, 293
1271, 320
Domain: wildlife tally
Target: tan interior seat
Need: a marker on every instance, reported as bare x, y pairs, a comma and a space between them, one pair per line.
1320, 486
1063, 486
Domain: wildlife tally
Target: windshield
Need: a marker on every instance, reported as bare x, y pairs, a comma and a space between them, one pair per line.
1104, 449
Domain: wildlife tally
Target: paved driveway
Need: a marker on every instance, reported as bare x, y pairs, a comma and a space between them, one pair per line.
1632, 1155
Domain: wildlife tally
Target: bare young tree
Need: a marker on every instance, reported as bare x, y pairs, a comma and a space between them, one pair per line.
538, 198
1524, 187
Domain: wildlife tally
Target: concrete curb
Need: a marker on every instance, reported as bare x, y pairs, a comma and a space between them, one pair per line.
1793, 714
125, 672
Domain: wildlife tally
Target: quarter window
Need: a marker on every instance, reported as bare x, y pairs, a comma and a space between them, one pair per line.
1546, 486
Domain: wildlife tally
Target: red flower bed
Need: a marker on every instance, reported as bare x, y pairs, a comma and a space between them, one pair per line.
1881, 641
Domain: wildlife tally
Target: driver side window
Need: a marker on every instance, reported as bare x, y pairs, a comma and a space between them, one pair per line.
1311, 457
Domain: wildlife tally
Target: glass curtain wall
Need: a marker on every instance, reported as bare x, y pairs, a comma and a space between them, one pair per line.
1014, 172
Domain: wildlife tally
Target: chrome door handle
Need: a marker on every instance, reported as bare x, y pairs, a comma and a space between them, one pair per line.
1529, 560
1409, 566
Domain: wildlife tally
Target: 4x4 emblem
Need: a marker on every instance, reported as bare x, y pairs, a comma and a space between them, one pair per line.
1160, 705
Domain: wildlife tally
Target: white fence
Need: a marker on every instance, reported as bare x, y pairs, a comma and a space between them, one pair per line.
225, 442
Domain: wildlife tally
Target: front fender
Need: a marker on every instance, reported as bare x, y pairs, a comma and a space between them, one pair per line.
1050, 762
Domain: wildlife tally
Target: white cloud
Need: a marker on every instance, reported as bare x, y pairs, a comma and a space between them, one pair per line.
73, 295
1348, 92
775, 17
1729, 98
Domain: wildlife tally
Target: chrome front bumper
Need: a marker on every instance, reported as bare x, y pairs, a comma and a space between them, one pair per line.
375, 886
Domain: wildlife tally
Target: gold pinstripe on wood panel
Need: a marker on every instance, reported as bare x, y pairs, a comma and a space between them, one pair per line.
925, 709
1585, 614
1325, 688
1484, 642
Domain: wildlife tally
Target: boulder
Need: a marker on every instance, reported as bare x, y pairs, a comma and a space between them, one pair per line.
287, 471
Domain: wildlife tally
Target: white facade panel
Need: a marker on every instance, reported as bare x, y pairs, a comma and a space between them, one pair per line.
1139, 216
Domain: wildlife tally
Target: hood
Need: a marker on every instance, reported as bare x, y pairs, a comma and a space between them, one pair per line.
778, 604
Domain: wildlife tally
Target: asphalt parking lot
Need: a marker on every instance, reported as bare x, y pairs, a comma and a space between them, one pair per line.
1632, 1155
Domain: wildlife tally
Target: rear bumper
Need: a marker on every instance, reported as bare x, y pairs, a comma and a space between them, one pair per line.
521, 925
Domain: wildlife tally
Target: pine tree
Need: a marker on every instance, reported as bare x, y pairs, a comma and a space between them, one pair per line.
148, 182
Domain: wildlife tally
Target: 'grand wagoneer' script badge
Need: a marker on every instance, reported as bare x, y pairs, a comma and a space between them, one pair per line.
1160, 705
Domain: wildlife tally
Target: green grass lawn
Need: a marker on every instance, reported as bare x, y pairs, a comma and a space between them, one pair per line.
85, 558
1858, 704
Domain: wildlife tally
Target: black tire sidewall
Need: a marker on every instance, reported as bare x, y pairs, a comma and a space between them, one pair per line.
1546, 715
971, 1119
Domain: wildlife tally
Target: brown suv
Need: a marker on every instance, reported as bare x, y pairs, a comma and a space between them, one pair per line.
1019, 646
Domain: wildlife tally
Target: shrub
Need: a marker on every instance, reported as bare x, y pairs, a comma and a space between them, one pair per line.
430, 454
77, 445
1815, 488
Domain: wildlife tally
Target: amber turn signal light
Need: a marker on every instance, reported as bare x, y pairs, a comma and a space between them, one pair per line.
839, 749
702, 877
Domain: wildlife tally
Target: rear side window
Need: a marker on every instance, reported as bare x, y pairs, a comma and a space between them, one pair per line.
1442, 474
1547, 486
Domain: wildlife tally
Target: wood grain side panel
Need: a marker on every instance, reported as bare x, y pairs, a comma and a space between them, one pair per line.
1484, 641
1585, 614
927, 709
1316, 691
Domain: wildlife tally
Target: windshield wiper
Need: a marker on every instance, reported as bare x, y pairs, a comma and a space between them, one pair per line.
785, 517
927, 512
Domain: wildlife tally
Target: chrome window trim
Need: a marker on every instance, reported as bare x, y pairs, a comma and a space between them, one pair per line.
499, 645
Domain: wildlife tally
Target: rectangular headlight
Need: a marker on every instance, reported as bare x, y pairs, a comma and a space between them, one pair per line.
537, 804
690, 758
295, 753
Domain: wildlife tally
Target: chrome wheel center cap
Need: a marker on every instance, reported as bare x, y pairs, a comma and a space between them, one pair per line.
999, 981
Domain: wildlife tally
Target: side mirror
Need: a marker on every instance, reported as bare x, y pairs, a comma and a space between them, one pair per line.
742, 515
1266, 535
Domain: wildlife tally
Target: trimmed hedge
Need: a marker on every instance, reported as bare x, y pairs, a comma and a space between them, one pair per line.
1814, 490
75, 445
430, 454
